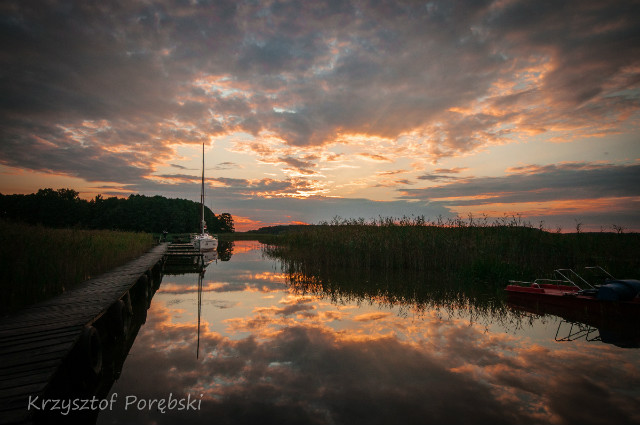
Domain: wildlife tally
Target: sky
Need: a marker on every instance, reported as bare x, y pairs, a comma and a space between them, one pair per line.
310, 110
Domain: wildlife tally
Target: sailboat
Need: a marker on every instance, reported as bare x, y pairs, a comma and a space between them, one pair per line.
203, 241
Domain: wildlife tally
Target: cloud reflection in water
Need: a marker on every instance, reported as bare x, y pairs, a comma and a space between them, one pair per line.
305, 360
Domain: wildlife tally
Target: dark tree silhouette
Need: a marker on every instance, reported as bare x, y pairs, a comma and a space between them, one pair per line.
153, 214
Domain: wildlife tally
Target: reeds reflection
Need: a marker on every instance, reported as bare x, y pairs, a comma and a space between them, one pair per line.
273, 353
414, 291
448, 296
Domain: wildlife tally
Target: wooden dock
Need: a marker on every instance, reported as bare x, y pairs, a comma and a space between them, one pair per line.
184, 258
182, 250
40, 341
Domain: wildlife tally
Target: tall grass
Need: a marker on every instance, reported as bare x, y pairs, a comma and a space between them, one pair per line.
469, 249
448, 266
37, 262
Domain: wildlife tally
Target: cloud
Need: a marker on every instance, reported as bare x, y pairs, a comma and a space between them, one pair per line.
225, 188
581, 46
374, 157
180, 167
366, 317
217, 287
296, 164
183, 72
531, 183
307, 372
391, 173
107, 93
598, 195
442, 174
456, 170
288, 310
227, 165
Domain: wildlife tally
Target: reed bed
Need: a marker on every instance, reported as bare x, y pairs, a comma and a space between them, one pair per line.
37, 263
450, 267
461, 249
412, 293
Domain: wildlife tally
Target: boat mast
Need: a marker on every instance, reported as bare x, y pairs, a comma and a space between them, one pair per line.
202, 196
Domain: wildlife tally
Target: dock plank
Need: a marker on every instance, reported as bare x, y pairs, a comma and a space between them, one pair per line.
34, 367
53, 333
34, 344
35, 340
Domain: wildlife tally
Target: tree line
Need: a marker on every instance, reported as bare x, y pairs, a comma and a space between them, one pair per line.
280, 229
139, 213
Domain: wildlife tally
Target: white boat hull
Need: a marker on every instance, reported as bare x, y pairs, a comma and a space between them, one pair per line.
205, 243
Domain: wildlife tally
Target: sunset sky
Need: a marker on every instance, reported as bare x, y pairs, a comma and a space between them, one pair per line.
312, 109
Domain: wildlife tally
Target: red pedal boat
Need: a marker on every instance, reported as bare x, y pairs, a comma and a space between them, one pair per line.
611, 296
608, 311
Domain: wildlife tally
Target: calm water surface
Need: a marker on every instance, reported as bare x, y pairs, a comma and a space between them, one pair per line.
265, 353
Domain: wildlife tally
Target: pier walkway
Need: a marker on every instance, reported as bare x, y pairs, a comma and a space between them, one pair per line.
35, 341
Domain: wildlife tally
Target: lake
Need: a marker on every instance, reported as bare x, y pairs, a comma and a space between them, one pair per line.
258, 345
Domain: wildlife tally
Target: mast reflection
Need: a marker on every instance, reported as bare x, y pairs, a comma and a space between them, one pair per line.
200, 276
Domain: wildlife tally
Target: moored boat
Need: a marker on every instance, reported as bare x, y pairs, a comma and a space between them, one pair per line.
203, 241
607, 311
610, 296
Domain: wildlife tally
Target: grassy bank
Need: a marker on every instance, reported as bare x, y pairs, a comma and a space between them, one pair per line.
492, 253
37, 262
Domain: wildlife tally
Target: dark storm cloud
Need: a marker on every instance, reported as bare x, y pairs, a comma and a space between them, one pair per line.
67, 62
584, 38
306, 72
534, 184
90, 162
78, 60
